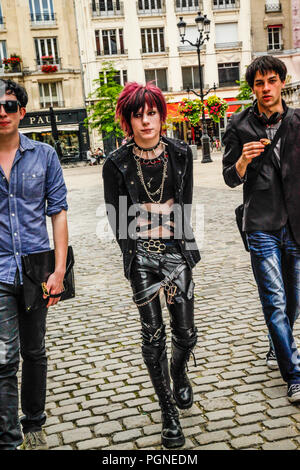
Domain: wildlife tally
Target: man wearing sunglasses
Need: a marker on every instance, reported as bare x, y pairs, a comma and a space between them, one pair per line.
31, 187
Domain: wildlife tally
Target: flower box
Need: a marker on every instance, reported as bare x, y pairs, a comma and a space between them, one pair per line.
49, 68
12, 64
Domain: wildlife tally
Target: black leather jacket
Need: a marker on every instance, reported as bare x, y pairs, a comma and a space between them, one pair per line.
264, 195
120, 179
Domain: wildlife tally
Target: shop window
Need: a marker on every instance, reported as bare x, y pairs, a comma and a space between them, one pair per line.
51, 95
159, 76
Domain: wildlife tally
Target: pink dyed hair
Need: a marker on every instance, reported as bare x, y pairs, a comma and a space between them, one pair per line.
133, 97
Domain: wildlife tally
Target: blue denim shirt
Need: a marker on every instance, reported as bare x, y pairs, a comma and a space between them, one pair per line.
36, 189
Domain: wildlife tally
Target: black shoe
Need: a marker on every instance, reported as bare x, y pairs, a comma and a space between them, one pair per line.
294, 393
182, 390
171, 434
271, 359
155, 357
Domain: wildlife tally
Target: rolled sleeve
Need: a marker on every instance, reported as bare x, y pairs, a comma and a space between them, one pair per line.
56, 190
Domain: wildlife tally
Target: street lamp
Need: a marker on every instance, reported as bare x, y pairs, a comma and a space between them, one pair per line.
203, 26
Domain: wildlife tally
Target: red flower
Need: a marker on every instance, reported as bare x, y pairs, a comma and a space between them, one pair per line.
49, 68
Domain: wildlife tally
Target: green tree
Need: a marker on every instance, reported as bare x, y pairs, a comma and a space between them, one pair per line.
101, 113
245, 93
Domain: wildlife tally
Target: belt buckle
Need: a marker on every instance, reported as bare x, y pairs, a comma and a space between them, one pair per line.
154, 246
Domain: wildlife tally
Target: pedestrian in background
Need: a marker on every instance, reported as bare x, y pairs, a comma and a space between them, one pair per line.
31, 187
91, 157
153, 173
271, 217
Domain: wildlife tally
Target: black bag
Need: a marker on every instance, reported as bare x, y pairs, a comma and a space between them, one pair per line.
239, 211
36, 269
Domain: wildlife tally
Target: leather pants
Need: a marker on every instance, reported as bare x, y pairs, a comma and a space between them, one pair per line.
148, 270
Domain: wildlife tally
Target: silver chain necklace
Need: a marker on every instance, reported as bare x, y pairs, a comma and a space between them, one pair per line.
141, 177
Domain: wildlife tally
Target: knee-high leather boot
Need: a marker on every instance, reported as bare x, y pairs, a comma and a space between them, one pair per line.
181, 350
154, 355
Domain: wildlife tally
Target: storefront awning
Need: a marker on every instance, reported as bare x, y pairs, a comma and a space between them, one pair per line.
232, 108
63, 127
172, 112
68, 127
28, 130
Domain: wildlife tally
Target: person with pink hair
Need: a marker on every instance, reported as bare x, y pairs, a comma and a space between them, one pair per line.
148, 187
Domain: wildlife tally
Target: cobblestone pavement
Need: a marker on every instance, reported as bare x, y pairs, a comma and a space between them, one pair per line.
99, 393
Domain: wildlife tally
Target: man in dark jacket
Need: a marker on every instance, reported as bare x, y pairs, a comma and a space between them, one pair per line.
271, 207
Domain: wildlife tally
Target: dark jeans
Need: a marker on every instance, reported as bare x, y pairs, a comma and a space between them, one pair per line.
21, 331
275, 259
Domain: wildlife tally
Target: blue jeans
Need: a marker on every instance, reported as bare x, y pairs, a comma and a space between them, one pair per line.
275, 259
21, 330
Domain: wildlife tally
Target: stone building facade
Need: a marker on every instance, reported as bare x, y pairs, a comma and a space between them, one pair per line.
39, 49
141, 39
275, 28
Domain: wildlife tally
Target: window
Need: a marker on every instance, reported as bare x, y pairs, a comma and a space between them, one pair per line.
274, 37
224, 4
109, 42
186, 5
228, 74
226, 35
1, 17
190, 77
120, 78
191, 33
272, 5
153, 40
3, 52
149, 6
159, 76
41, 11
51, 95
106, 7
46, 47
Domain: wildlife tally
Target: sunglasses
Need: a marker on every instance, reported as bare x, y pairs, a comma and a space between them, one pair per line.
10, 106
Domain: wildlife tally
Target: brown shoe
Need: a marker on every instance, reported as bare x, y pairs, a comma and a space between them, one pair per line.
34, 441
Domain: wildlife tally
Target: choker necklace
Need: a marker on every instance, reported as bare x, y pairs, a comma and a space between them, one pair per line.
148, 149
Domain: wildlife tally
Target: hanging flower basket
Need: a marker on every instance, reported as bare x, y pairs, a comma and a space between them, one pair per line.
216, 108
191, 110
49, 68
